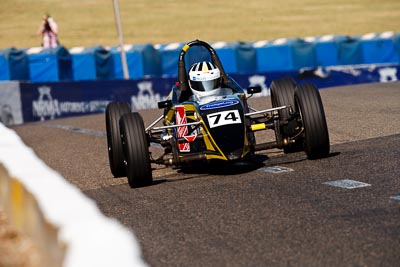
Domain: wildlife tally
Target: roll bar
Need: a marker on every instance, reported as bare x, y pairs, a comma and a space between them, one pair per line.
182, 73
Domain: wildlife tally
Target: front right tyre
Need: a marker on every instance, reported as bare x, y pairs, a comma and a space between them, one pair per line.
312, 118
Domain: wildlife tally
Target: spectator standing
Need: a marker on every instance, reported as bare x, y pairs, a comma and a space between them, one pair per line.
49, 31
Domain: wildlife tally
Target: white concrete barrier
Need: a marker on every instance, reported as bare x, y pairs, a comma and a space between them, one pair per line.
67, 227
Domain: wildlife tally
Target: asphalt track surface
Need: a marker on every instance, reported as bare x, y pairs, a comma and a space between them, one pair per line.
253, 217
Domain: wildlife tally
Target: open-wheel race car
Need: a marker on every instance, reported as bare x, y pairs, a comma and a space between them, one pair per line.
206, 118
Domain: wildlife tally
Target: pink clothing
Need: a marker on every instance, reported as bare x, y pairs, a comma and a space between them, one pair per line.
49, 31
49, 39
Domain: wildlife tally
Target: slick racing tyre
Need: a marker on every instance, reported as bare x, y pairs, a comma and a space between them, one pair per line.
312, 116
114, 111
136, 150
282, 94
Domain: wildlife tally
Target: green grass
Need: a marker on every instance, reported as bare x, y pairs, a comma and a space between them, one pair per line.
91, 22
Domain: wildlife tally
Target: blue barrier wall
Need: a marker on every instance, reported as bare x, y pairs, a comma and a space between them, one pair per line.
42, 65
50, 64
142, 61
4, 67
227, 54
14, 65
92, 63
83, 64
326, 51
379, 50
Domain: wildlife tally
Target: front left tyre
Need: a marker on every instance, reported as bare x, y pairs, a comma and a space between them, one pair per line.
114, 111
136, 150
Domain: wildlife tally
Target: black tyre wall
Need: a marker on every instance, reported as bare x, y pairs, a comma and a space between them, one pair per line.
282, 94
316, 136
136, 150
114, 111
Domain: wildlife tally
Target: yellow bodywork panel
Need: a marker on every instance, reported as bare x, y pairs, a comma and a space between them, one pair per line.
208, 140
211, 145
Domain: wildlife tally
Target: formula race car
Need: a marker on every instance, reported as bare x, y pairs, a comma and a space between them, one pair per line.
206, 118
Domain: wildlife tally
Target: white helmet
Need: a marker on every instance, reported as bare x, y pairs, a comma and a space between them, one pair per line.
204, 79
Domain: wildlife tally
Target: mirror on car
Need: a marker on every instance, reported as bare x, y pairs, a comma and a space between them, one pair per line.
254, 89
164, 104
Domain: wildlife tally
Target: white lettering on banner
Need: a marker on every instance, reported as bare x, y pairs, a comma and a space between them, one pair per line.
76, 107
259, 80
47, 107
145, 98
346, 69
388, 75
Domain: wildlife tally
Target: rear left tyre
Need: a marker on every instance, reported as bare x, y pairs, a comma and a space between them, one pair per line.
136, 150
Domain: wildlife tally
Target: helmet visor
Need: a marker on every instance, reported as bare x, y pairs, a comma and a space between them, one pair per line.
204, 86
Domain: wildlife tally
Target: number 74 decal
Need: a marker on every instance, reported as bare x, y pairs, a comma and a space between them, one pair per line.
223, 118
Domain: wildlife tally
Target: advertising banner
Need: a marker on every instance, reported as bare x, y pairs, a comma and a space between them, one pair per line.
44, 101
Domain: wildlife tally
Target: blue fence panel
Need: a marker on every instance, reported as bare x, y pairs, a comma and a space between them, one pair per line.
275, 56
350, 51
50, 64
59, 64
326, 51
64, 63
4, 67
142, 60
43, 67
303, 54
246, 58
396, 40
104, 62
83, 64
93, 63
14, 65
227, 55
379, 50
151, 60
169, 54
134, 63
